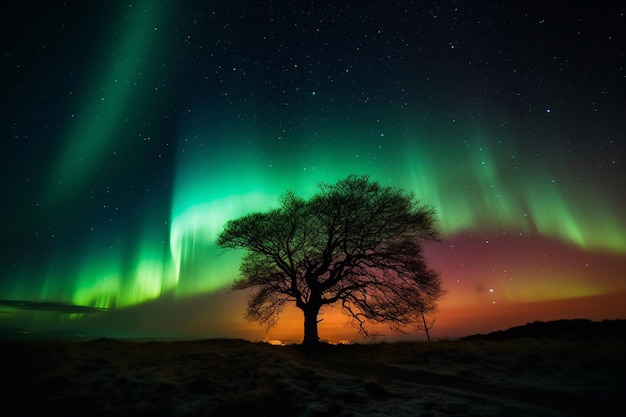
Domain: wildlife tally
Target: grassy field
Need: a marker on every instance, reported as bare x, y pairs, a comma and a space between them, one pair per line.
523, 376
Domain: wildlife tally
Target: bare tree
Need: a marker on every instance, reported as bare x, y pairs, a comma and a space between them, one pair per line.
354, 243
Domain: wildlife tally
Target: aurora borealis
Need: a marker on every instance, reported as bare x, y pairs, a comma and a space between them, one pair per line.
134, 130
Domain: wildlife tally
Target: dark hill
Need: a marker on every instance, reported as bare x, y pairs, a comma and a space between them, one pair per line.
572, 329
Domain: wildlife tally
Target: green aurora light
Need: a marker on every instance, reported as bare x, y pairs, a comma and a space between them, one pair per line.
100, 117
471, 192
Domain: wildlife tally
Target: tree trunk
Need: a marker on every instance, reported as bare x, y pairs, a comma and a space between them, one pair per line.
311, 337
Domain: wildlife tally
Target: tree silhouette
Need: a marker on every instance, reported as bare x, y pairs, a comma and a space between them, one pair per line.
354, 243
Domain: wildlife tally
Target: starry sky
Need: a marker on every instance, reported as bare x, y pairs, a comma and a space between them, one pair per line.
132, 131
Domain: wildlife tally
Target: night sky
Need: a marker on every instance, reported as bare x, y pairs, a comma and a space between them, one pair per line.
132, 131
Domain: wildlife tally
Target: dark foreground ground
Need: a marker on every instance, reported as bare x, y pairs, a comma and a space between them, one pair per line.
516, 375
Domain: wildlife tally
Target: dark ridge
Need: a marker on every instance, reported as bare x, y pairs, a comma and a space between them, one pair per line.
565, 329
51, 306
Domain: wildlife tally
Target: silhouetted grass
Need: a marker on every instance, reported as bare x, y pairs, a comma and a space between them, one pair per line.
517, 376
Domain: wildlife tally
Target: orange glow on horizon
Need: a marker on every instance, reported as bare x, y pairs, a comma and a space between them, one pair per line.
451, 322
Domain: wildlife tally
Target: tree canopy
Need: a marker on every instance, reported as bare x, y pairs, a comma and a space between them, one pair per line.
355, 243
